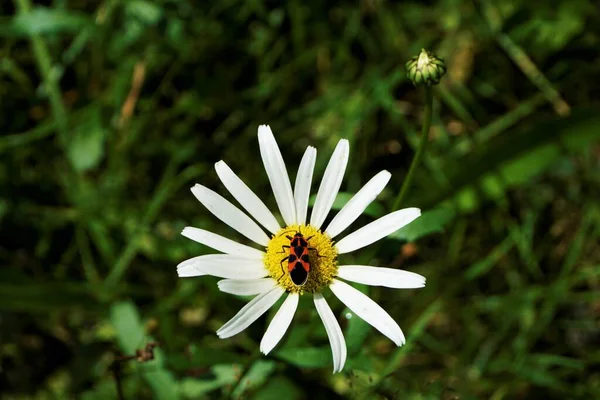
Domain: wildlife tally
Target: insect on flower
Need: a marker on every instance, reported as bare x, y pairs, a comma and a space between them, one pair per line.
309, 247
298, 258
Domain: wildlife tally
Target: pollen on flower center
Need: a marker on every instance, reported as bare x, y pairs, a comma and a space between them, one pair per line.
322, 256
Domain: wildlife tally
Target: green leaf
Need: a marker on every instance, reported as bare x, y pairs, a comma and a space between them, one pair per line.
256, 377
361, 361
145, 11
430, 221
104, 390
277, 386
308, 357
131, 334
202, 357
86, 148
223, 375
130, 331
500, 154
41, 21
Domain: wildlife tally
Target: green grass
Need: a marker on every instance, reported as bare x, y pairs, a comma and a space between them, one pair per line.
112, 110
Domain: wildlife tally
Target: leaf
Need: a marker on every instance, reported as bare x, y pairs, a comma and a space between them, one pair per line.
202, 357
307, 357
360, 361
42, 21
276, 386
256, 377
145, 11
430, 221
126, 320
513, 154
86, 148
131, 334
104, 390
222, 375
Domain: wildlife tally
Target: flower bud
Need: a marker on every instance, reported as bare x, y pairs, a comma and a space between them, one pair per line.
425, 69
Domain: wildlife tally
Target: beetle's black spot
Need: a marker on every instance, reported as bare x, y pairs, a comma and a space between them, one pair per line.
305, 258
298, 250
303, 242
294, 242
299, 275
292, 258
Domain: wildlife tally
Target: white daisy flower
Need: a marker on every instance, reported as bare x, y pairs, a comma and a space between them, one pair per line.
266, 272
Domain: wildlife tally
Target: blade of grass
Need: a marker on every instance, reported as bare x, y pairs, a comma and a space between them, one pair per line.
49, 78
87, 260
523, 61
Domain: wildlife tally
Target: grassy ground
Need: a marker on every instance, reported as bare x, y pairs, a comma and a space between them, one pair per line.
112, 109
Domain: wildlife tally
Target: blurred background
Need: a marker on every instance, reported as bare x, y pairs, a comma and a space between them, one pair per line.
111, 110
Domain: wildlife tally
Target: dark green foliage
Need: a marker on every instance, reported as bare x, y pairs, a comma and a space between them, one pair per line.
112, 109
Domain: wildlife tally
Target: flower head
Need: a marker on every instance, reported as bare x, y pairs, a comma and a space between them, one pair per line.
298, 258
425, 69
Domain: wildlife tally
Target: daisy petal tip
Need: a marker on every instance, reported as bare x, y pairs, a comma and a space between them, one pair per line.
197, 190
264, 130
219, 164
399, 339
345, 144
415, 211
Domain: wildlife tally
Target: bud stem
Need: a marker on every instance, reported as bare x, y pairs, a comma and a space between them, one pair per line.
420, 150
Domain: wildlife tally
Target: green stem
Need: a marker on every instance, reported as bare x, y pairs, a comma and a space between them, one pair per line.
42, 57
420, 150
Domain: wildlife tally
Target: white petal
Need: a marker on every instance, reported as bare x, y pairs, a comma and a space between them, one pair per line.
221, 243
280, 323
303, 181
223, 266
278, 176
357, 204
246, 287
246, 197
379, 276
377, 229
250, 312
230, 214
368, 310
334, 332
330, 185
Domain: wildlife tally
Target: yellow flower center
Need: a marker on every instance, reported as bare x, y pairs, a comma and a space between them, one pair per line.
282, 256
